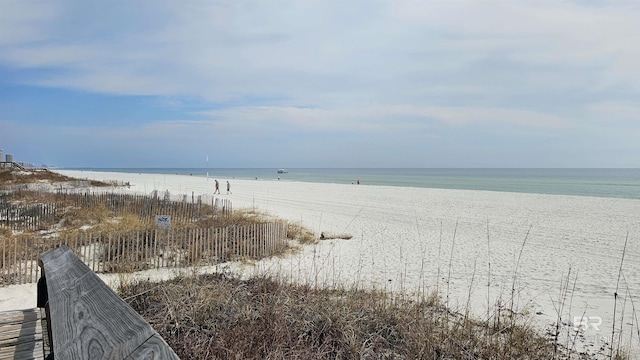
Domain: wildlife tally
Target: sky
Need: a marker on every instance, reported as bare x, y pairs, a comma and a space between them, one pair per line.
310, 83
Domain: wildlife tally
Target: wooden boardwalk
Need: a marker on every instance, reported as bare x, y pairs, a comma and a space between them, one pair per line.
21, 334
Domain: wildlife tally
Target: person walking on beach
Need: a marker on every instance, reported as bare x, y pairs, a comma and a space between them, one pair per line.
228, 187
217, 188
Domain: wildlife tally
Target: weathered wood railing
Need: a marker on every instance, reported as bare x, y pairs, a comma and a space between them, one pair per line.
86, 319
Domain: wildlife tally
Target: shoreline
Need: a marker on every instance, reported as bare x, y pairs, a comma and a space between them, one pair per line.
403, 238
595, 182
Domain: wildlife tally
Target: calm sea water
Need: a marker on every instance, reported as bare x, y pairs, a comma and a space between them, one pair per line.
618, 183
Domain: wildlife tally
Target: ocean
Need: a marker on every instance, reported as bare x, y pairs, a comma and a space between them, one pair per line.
616, 183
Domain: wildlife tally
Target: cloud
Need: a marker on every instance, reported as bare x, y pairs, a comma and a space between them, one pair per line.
376, 117
624, 110
20, 21
562, 33
616, 119
380, 52
477, 73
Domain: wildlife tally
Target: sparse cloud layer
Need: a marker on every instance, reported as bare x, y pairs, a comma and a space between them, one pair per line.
321, 83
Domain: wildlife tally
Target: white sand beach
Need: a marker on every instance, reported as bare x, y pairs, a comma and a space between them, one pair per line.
464, 243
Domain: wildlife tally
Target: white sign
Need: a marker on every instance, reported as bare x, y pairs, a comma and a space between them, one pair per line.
163, 221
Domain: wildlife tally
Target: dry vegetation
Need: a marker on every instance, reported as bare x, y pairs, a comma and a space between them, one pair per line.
94, 222
13, 177
81, 219
223, 317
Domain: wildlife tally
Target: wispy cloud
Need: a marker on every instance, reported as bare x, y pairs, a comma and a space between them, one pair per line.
473, 72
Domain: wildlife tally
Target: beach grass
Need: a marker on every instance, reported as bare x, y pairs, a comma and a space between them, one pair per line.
221, 316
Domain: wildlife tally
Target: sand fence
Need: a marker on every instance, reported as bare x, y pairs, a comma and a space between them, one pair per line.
33, 225
141, 250
24, 215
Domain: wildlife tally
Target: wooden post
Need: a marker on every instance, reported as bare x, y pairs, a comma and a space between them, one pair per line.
156, 254
191, 240
138, 255
254, 241
109, 258
4, 261
267, 237
169, 239
146, 249
225, 246
30, 261
80, 249
84, 250
216, 244
243, 237
95, 245
88, 250
75, 243
210, 245
199, 244
194, 243
220, 243
38, 246
15, 259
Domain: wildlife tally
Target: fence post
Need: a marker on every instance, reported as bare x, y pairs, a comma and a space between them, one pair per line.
16, 264
4, 261
156, 255
30, 261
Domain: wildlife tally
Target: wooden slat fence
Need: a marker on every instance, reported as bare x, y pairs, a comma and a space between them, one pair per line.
133, 251
18, 215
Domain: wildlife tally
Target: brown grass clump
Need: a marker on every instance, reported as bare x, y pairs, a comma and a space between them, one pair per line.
244, 217
222, 317
4, 232
300, 233
240, 217
84, 216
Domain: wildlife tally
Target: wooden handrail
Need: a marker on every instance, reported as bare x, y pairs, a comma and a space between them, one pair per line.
88, 320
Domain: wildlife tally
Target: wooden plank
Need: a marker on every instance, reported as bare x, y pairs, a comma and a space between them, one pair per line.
27, 326
4, 265
22, 353
21, 334
16, 326
7, 317
88, 319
